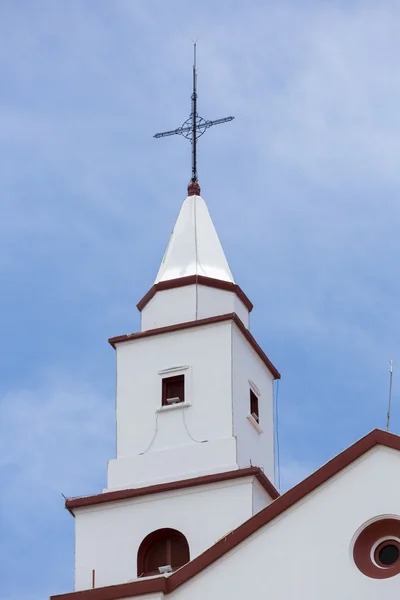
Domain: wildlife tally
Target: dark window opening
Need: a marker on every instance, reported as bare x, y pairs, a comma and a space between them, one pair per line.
173, 390
254, 406
387, 553
162, 548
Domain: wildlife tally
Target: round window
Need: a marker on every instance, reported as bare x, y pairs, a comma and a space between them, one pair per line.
387, 553
376, 550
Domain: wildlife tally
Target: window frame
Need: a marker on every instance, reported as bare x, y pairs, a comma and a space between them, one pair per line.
166, 536
178, 379
254, 406
172, 371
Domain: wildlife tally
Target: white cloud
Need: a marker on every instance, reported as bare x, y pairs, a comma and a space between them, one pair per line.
302, 187
55, 439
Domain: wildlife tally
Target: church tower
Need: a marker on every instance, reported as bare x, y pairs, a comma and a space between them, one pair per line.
194, 389
190, 509
195, 422
194, 415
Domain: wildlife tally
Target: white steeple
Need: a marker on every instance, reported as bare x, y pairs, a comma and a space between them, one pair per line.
194, 417
194, 280
194, 247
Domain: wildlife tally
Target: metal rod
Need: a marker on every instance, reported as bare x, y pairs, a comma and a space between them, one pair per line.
194, 126
194, 118
200, 128
390, 395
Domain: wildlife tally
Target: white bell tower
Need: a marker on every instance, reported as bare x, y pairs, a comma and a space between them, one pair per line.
194, 389
195, 422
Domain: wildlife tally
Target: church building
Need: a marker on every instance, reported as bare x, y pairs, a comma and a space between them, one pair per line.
191, 511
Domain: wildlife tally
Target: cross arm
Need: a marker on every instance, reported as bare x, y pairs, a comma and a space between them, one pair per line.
202, 125
218, 121
177, 131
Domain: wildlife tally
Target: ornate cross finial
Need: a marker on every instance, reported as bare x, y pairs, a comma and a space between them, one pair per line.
192, 129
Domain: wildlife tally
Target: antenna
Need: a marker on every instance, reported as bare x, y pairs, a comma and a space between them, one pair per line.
390, 395
193, 128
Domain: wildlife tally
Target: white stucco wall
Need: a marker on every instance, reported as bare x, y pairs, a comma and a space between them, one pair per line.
169, 307
147, 434
252, 445
190, 303
307, 551
261, 498
107, 537
172, 464
210, 432
212, 301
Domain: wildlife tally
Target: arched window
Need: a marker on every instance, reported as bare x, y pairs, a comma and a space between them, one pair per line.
164, 547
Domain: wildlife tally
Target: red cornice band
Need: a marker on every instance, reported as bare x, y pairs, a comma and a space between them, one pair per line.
116, 495
200, 322
170, 284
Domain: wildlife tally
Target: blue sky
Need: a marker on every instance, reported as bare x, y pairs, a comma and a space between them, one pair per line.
302, 187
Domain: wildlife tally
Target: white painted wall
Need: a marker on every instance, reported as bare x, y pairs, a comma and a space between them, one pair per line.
307, 551
211, 432
217, 456
190, 303
261, 498
204, 354
107, 537
168, 307
252, 445
212, 301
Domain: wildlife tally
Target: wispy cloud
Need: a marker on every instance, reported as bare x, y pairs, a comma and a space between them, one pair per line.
55, 439
302, 187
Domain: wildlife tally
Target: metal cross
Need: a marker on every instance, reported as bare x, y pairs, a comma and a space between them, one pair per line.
194, 126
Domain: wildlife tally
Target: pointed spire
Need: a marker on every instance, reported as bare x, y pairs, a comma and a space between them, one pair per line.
194, 247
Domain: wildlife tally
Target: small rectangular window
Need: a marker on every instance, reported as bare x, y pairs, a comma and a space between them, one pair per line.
173, 390
254, 406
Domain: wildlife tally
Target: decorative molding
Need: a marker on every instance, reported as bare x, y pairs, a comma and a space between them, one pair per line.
186, 371
199, 323
170, 284
169, 329
174, 370
116, 495
254, 423
254, 388
176, 406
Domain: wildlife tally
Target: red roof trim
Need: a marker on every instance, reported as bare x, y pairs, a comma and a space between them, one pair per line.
119, 591
170, 328
192, 280
276, 508
200, 322
256, 347
159, 488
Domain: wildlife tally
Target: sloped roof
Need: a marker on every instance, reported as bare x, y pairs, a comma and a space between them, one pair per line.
168, 584
114, 496
200, 323
194, 247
